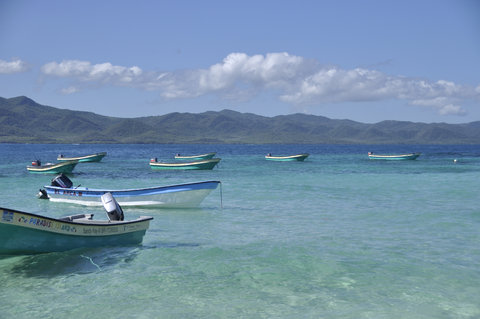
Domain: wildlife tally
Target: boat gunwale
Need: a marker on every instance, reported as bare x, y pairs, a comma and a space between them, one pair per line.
77, 158
131, 189
287, 156
205, 161
50, 167
102, 223
195, 156
394, 156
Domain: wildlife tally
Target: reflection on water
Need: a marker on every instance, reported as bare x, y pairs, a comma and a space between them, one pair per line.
78, 261
164, 244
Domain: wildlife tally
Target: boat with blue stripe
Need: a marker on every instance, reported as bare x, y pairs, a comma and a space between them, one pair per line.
173, 196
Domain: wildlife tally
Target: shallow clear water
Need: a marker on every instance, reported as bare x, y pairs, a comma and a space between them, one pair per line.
336, 236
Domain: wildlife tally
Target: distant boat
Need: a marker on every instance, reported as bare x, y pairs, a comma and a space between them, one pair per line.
398, 157
53, 168
195, 157
200, 164
298, 157
87, 158
182, 195
27, 233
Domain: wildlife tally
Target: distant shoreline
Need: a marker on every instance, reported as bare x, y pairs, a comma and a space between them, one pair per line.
23, 121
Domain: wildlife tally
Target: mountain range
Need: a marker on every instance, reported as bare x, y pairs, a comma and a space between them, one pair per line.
22, 120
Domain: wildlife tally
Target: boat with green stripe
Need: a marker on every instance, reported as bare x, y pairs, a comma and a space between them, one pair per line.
398, 157
200, 164
97, 157
288, 158
28, 233
52, 168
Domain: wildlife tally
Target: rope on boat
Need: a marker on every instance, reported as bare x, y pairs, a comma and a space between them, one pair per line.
91, 260
221, 196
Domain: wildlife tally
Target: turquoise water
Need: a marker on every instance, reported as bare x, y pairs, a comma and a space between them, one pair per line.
336, 236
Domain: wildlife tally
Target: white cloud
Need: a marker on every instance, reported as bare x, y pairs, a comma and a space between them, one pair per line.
84, 71
295, 79
238, 73
15, 66
69, 90
451, 109
337, 85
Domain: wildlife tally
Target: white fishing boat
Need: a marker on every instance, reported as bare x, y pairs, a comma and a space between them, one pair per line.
97, 157
204, 164
394, 157
180, 196
287, 158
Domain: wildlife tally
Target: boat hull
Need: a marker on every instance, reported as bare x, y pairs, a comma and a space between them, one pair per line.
64, 167
175, 196
291, 158
25, 233
202, 164
401, 157
82, 159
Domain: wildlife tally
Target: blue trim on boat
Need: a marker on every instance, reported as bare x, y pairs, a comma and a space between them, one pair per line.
86, 192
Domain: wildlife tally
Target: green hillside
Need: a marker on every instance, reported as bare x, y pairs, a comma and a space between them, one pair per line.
22, 120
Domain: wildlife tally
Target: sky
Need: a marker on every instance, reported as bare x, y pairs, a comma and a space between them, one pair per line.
367, 61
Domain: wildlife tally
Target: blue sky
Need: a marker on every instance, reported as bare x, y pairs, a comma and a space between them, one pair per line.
366, 61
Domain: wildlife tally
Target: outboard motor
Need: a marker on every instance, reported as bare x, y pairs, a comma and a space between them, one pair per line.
114, 211
42, 194
153, 160
62, 181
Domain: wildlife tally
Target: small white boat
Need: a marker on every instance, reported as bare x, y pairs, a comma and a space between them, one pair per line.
288, 158
398, 157
205, 164
52, 168
179, 196
97, 157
